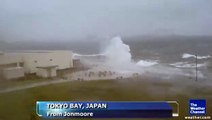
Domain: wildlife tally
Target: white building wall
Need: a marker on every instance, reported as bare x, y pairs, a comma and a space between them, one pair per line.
63, 59
12, 73
42, 73
10, 58
51, 72
34, 59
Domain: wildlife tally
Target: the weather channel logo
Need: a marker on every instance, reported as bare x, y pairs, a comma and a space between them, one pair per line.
197, 107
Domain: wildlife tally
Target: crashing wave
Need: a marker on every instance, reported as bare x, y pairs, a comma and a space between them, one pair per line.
186, 55
187, 65
146, 63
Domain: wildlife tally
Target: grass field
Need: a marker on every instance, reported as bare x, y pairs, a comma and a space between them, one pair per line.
20, 105
28, 79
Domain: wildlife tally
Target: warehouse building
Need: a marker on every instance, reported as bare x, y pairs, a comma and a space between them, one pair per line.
42, 63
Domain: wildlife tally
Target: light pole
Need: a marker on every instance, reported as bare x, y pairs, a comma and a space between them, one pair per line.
196, 67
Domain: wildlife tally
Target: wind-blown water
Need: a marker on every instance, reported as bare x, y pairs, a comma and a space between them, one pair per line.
118, 58
186, 55
147, 63
117, 53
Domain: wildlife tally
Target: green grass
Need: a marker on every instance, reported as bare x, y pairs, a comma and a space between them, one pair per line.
20, 105
29, 79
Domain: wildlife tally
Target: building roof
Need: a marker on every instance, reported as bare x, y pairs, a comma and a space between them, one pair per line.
47, 67
13, 68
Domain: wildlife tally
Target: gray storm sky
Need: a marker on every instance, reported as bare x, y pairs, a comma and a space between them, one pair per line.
69, 19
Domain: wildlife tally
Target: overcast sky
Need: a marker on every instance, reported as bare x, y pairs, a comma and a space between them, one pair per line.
70, 19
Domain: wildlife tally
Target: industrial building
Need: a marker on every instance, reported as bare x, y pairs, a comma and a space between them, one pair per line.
42, 63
